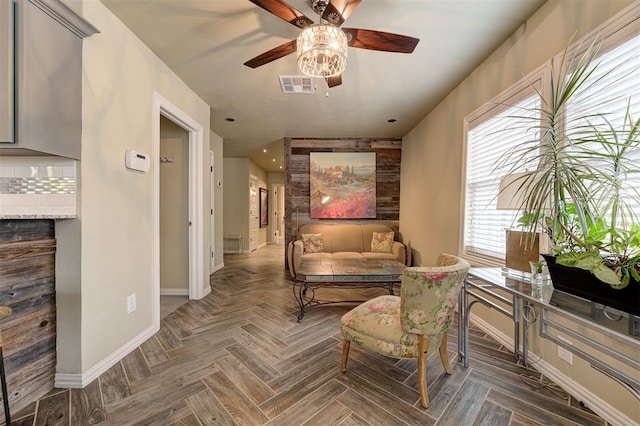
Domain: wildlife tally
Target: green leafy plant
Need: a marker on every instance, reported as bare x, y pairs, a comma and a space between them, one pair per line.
577, 189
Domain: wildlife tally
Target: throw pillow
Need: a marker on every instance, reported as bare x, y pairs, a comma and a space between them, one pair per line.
382, 242
312, 243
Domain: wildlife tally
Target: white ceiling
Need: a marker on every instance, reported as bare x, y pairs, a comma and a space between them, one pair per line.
206, 43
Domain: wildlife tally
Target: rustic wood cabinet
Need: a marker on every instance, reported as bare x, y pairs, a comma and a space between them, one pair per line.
47, 74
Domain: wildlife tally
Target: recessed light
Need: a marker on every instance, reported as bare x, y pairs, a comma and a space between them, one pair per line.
230, 119
264, 150
391, 120
273, 159
280, 166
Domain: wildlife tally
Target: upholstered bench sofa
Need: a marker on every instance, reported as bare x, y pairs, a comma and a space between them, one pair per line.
344, 241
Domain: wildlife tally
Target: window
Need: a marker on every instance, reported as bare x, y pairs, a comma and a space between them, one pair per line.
489, 136
616, 88
616, 80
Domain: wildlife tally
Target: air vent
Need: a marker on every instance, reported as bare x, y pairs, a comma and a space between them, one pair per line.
296, 84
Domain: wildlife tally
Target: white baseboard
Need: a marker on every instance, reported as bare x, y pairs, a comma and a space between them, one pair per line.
78, 381
217, 268
174, 291
579, 392
206, 291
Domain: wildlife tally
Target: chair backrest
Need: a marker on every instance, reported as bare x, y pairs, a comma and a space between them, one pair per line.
429, 295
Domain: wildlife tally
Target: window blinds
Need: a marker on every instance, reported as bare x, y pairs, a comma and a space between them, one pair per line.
487, 140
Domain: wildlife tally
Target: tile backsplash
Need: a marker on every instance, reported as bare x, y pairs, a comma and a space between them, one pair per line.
34, 187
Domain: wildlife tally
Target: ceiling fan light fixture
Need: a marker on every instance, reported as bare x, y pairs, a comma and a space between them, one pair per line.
322, 51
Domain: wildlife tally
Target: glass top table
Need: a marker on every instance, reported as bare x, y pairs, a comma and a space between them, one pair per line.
559, 315
544, 293
343, 273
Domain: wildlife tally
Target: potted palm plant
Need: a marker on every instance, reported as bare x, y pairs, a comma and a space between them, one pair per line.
577, 188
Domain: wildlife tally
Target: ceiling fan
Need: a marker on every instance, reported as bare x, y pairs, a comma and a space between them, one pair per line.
322, 47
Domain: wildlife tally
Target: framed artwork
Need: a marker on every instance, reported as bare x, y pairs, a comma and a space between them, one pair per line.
264, 207
342, 185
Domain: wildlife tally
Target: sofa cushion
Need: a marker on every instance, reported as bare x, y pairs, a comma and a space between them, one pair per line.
347, 238
312, 243
382, 242
317, 255
372, 255
367, 233
346, 255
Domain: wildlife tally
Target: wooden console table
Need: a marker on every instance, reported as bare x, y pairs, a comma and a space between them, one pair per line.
527, 303
343, 273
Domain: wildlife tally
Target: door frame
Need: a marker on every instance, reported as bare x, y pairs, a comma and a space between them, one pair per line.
212, 218
162, 106
277, 211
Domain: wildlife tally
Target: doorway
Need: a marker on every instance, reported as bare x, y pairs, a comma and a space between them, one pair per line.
174, 216
198, 283
277, 234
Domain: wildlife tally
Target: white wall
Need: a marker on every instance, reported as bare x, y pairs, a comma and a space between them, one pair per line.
106, 254
432, 156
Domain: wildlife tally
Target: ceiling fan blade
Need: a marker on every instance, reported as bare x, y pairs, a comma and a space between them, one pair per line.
334, 81
338, 11
379, 40
283, 11
273, 54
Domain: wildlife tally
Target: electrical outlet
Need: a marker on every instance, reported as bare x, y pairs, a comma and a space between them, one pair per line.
565, 354
131, 303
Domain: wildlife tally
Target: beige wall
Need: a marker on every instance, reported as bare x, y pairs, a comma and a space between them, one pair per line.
174, 207
432, 155
106, 254
216, 146
273, 179
261, 175
235, 204
237, 172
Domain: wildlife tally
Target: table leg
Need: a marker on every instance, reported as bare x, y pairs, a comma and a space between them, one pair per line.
525, 334
516, 328
460, 327
465, 298
300, 294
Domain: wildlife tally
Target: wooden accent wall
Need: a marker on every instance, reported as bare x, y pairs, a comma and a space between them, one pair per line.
27, 286
296, 170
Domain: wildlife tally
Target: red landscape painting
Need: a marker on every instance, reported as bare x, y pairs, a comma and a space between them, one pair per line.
343, 185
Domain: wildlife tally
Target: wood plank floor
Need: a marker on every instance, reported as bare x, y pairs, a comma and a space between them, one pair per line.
238, 357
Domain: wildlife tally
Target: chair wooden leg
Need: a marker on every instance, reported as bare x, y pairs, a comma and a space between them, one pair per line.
444, 356
345, 354
423, 345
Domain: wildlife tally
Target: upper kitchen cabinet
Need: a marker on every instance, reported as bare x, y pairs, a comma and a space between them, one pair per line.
43, 78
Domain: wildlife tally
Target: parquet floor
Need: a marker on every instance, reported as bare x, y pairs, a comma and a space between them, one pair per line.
238, 357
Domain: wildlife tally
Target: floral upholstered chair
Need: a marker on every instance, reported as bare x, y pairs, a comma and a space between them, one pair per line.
414, 324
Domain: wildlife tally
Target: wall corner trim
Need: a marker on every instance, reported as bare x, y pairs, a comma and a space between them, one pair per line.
78, 381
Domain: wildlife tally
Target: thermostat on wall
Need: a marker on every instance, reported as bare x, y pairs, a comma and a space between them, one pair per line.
137, 161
